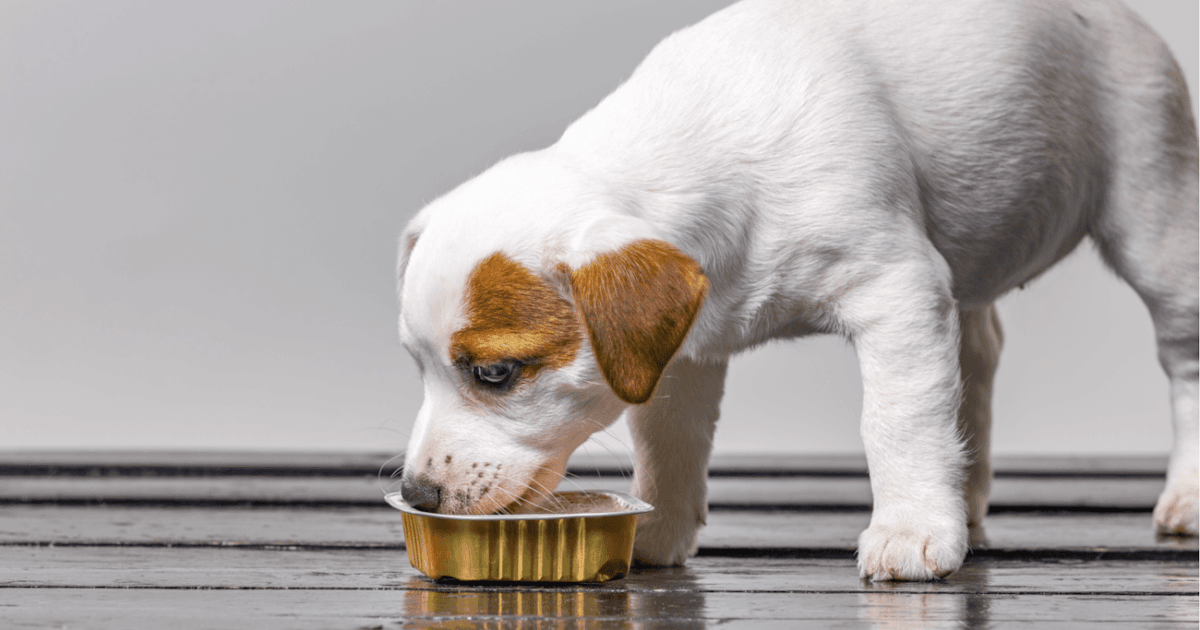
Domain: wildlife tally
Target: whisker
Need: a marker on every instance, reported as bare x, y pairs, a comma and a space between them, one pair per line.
546, 493
519, 500
607, 432
379, 474
573, 482
404, 435
588, 453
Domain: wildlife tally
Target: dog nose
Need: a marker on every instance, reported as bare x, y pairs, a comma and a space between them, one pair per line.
421, 493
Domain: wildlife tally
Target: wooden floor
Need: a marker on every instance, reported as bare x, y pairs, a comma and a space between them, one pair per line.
222, 540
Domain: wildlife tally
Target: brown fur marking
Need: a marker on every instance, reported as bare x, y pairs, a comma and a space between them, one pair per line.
513, 314
638, 303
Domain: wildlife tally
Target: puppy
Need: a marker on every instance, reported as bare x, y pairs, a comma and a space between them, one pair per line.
873, 169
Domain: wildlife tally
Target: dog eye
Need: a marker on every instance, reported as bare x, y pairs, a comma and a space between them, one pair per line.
496, 375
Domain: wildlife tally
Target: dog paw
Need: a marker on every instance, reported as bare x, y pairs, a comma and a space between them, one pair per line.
910, 551
660, 543
1175, 512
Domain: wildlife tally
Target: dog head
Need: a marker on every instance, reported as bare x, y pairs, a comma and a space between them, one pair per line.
535, 315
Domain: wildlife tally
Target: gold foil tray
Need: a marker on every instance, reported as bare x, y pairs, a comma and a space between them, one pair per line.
594, 543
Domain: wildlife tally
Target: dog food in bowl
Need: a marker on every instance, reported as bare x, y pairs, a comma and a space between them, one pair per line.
574, 537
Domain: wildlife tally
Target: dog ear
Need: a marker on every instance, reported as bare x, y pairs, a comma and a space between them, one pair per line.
638, 304
408, 240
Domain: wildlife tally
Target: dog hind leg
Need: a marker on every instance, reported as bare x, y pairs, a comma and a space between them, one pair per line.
979, 352
1166, 279
1164, 274
673, 435
1148, 233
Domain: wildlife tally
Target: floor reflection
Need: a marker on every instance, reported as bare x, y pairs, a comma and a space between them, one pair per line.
1175, 579
959, 602
672, 595
469, 606
642, 600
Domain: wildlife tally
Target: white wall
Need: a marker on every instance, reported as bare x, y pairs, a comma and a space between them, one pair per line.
199, 203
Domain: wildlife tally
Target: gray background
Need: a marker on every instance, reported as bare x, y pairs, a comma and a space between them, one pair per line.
199, 205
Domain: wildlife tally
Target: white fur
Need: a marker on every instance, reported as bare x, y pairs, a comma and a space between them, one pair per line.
875, 169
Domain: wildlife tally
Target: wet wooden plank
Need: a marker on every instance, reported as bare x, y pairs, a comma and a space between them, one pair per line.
1008, 493
1041, 534
141, 463
360, 490
174, 526
156, 567
101, 609
130, 587
111, 463
727, 532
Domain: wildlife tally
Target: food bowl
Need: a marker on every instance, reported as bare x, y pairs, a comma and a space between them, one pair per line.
584, 537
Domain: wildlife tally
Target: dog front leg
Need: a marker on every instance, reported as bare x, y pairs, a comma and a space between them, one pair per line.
673, 435
908, 356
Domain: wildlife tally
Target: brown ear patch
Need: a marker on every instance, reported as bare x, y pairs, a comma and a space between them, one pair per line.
638, 303
513, 314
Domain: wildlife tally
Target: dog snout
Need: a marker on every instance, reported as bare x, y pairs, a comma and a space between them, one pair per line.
421, 492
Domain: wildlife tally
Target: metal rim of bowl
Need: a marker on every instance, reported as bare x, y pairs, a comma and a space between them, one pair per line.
636, 506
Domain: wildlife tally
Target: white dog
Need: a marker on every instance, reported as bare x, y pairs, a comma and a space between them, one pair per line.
882, 170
